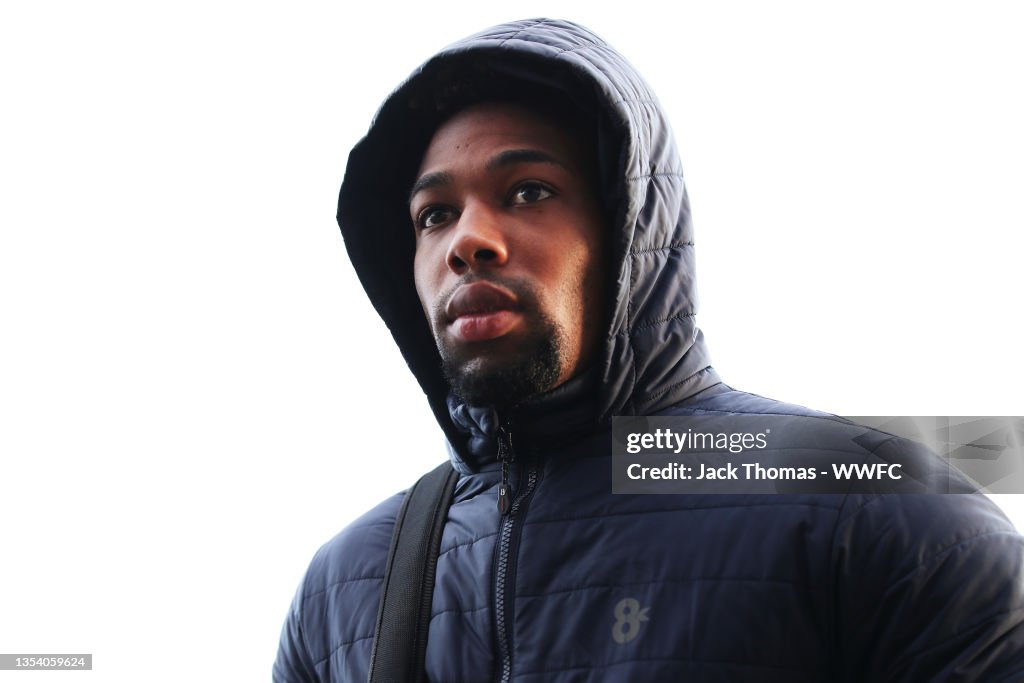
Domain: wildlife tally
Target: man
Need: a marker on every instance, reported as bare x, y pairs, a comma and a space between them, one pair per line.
518, 217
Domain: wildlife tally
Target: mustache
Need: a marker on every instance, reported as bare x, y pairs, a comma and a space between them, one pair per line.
522, 290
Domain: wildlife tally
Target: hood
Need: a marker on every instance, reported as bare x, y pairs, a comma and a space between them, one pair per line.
653, 352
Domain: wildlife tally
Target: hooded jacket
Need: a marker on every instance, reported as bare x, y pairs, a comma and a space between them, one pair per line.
577, 584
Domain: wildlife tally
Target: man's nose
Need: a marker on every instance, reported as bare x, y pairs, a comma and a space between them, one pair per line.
479, 240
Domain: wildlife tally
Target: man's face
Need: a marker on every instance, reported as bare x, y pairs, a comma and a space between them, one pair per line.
509, 257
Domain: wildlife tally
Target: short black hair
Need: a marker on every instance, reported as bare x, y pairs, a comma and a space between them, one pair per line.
464, 83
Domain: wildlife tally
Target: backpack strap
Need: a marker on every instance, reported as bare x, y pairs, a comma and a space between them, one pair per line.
400, 639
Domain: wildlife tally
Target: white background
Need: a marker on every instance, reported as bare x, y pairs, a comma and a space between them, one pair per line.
194, 391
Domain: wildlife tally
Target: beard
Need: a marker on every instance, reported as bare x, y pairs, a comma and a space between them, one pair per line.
491, 377
506, 381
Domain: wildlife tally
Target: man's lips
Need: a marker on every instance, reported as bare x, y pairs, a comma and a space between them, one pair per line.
480, 311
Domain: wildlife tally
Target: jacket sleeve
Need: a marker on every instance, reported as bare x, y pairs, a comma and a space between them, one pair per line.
929, 587
328, 633
293, 664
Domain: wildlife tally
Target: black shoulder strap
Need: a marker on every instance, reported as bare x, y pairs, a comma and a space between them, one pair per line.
400, 640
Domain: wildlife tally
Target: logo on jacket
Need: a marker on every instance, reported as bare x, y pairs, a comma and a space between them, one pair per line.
628, 616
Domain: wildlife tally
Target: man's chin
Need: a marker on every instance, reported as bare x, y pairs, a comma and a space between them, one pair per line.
503, 379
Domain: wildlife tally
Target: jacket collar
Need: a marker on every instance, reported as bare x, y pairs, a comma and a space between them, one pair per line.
557, 417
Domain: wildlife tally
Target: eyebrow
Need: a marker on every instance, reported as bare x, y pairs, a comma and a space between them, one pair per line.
428, 181
509, 157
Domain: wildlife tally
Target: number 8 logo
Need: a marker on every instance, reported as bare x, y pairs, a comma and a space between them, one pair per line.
628, 616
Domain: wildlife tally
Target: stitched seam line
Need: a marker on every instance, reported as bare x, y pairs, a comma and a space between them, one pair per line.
629, 337
832, 639
636, 100
663, 174
372, 525
341, 645
667, 659
699, 579
303, 654
457, 609
827, 418
676, 245
962, 631
1013, 675
607, 515
651, 397
341, 583
463, 545
589, 46
949, 549
520, 31
656, 323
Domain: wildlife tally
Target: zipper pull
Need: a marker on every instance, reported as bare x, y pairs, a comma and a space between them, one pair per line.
505, 456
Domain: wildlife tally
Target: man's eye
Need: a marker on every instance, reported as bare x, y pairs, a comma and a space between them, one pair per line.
433, 216
529, 193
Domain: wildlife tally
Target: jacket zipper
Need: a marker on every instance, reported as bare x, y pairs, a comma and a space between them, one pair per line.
506, 456
511, 510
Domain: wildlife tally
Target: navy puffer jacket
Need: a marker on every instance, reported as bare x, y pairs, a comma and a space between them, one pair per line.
576, 584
